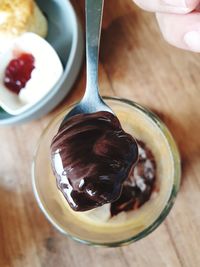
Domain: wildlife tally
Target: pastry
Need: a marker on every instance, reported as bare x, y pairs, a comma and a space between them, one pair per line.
18, 17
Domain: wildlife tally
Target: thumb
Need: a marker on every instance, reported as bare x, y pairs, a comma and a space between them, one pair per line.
168, 6
182, 31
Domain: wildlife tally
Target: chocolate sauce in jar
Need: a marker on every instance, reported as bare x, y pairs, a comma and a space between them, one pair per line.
91, 158
137, 189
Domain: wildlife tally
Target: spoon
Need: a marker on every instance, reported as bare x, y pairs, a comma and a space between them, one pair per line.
91, 101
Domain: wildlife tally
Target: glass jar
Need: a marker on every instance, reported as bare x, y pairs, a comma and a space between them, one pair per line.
142, 124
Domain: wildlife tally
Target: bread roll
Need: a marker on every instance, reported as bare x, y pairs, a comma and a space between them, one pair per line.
17, 17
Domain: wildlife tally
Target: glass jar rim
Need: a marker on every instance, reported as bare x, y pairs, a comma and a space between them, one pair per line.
169, 203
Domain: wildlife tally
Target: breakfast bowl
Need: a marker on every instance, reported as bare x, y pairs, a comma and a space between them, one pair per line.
65, 36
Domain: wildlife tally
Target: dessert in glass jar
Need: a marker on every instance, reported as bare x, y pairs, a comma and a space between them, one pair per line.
145, 197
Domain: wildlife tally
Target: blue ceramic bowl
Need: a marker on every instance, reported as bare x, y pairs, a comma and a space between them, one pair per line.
65, 35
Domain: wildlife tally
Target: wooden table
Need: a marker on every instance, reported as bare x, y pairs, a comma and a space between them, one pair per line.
135, 63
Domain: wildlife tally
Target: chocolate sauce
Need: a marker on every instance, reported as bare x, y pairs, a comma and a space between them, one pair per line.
91, 157
137, 189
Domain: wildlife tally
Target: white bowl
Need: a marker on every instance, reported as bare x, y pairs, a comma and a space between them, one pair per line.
65, 35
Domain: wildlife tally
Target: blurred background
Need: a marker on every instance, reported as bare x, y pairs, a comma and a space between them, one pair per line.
135, 63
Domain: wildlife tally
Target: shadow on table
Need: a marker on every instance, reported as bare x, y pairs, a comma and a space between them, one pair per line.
115, 41
186, 133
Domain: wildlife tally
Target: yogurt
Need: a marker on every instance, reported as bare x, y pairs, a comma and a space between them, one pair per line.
46, 73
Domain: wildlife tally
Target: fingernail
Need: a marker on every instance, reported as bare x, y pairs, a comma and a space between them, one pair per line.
176, 3
192, 40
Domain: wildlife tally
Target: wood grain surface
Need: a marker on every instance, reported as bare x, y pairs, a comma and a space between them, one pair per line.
135, 63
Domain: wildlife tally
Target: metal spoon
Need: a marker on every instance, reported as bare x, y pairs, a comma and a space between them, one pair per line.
91, 101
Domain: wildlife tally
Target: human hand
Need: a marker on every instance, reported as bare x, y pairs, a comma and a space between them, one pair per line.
179, 21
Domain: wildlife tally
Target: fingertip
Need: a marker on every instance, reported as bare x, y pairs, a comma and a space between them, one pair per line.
192, 4
168, 6
192, 40
182, 31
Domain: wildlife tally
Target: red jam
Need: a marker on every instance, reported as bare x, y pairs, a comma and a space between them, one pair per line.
18, 72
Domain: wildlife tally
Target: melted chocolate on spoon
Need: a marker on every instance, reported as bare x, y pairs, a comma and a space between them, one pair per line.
91, 157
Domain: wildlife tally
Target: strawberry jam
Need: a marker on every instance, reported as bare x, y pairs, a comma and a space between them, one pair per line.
18, 72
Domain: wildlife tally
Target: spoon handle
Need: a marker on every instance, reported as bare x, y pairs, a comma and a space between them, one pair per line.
94, 10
